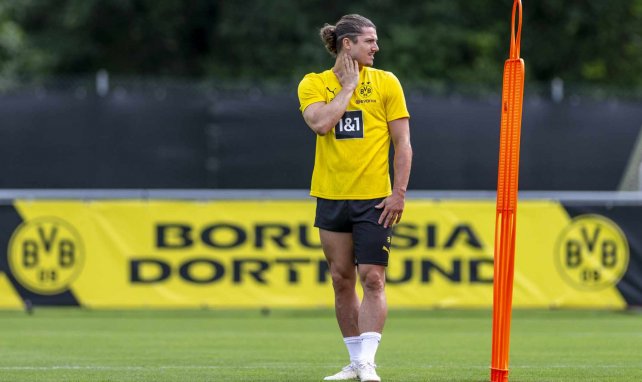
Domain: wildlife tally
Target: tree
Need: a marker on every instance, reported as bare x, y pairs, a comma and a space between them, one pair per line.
426, 43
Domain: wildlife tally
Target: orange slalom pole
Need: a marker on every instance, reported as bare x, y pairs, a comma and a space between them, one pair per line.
506, 214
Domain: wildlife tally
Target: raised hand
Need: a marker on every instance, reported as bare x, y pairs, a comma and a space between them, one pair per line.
347, 71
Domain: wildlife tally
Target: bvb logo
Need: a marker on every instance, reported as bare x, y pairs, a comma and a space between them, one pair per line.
46, 255
365, 90
592, 253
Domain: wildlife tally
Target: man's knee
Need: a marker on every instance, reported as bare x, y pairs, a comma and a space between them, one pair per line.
373, 281
343, 281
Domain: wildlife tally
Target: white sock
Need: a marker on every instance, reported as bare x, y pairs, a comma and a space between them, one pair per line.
369, 345
354, 348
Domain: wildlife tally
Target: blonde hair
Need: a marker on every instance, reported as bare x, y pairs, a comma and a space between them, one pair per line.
349, 26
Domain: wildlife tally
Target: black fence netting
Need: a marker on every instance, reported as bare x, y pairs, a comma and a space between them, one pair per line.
200, 137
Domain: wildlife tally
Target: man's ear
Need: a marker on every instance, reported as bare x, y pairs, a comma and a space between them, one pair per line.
346, 43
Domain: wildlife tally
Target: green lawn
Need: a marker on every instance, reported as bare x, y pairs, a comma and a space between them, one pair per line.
290, 345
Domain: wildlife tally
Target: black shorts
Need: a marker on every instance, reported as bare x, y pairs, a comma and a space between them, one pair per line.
371, 240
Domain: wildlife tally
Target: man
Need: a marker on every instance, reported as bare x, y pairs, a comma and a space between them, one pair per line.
356, 111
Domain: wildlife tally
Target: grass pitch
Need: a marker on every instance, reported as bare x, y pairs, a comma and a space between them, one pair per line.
305, 345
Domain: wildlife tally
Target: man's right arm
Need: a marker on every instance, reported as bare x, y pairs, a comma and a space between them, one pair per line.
321, 117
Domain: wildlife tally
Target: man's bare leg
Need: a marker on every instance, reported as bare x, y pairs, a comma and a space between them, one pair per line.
374, 308
372, 317
338, 250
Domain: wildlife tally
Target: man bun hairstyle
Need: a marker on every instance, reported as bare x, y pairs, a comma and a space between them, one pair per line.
349, 26
329, 37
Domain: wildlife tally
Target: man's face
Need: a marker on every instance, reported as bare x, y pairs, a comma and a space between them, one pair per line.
365, 48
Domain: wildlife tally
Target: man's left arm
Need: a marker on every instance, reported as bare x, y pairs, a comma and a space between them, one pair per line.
394, 204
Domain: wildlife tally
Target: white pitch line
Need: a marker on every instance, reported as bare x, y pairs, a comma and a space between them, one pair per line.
73, 367
180, 367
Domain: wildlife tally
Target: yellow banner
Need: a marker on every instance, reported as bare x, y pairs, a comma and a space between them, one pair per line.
267, 253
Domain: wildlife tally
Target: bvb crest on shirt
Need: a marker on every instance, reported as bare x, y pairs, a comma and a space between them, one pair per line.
365, 90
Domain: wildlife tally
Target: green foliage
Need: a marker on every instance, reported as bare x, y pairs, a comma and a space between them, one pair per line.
596, 42
426, 43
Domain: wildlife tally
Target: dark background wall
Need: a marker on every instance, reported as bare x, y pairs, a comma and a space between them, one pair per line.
194, 138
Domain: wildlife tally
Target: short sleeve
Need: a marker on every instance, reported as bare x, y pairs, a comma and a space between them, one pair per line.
310, 90
395, 102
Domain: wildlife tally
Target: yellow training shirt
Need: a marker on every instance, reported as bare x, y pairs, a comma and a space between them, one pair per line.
351, 161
